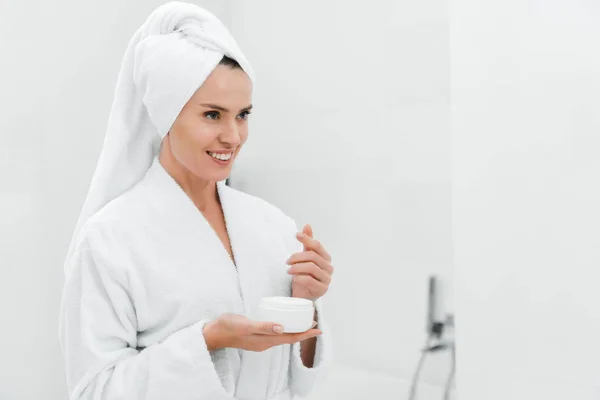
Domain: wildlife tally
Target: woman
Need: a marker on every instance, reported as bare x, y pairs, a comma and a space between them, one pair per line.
167, 262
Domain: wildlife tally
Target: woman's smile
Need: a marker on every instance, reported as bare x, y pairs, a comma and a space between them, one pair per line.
221, 158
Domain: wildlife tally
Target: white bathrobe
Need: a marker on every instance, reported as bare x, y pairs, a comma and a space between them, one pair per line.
148, 272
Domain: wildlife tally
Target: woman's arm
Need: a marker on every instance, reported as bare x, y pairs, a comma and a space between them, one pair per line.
310, 359
99, 338
308, 347
309, 362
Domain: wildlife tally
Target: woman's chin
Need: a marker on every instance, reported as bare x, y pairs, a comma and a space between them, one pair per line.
213, 172
219, 175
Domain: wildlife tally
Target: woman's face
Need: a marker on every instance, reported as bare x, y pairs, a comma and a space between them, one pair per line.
213, 123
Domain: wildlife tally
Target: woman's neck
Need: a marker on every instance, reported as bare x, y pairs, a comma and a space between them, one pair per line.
202, 192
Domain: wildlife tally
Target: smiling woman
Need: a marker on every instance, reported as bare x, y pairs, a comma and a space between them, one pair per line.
167, 264
210, 130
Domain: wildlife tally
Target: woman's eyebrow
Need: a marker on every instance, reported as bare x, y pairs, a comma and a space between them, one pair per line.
217, 107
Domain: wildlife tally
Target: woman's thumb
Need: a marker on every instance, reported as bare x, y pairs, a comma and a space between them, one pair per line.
268, 328
307, 230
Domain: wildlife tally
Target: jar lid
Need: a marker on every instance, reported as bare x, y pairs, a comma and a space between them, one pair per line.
288, 303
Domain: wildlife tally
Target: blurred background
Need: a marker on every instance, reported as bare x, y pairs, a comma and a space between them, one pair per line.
525, 198
456, 138
350, 133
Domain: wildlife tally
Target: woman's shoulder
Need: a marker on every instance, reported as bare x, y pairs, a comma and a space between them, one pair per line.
107, 234
114, 221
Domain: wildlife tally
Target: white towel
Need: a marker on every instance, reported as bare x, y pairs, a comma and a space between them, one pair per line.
166, 61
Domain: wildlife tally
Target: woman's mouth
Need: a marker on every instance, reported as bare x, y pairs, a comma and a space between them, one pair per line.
220, 158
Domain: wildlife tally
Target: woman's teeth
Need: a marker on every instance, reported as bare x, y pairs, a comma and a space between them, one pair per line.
222, 157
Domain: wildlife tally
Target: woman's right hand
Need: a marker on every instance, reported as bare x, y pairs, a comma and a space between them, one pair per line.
240, 332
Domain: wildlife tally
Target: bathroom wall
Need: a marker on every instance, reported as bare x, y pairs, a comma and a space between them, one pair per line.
525, 119
356, 105
351, 133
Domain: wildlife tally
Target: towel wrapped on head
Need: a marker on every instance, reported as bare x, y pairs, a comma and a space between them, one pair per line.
166, 61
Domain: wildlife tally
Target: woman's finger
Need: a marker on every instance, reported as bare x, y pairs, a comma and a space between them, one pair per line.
311, 256
315, 287
291, 338
266, 328
308, 334
310, 268
313, 244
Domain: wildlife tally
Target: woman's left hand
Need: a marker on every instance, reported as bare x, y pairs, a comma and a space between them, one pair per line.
311, 269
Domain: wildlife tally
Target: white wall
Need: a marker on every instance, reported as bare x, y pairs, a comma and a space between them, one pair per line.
337, 80
351, 133
526, 122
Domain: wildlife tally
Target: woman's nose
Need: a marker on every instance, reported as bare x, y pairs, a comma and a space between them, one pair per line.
231, 134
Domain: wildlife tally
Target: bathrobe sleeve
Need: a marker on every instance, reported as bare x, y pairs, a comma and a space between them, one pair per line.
303, 379
98, 335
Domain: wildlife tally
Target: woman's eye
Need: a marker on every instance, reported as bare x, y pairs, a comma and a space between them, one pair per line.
212, 115
245, 114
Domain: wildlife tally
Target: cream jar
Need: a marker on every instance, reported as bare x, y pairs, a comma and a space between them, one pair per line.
294, 314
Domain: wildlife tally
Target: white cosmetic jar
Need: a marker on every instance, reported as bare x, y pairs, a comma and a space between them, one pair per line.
294, 314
